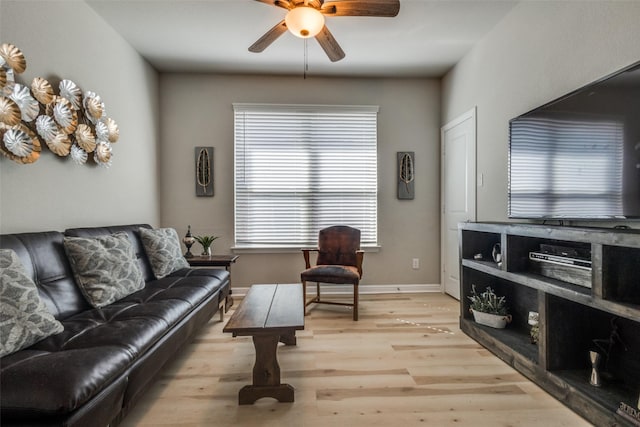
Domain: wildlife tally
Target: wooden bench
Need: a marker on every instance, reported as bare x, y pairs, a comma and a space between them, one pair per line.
270, 314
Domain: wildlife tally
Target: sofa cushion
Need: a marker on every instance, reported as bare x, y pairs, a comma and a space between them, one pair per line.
24, 319
105, 267
41, 383
217, 274
162, 247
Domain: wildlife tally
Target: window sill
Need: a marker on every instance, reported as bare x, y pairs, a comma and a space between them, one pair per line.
287, 249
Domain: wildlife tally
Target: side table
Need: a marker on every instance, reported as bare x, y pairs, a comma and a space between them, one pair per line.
216, 261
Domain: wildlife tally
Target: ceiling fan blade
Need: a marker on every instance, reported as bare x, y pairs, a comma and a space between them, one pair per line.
269, 37
388, 8
330, 45
280, 3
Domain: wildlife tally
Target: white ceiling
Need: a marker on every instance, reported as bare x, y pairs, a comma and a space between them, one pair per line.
425, 40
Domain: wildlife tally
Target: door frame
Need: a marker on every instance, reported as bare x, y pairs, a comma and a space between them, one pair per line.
471, 171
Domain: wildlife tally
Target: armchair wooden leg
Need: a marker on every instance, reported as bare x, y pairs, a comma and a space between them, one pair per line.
317, 291
304, 296
355, 301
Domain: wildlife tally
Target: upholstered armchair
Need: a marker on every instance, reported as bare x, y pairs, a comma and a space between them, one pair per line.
339, 261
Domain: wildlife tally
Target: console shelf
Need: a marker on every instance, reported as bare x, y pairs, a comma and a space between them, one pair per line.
580, 310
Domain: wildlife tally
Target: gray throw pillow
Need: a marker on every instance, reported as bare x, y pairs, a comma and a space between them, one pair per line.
24, 318
162, 246
105, 267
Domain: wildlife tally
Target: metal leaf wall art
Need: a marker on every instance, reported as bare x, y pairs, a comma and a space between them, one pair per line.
70, 124
406, 175
204, 171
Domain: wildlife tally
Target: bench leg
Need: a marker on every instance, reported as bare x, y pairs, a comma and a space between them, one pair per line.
266, 373
249, 393
289, 339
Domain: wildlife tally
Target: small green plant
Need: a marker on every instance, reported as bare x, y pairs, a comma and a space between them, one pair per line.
206, 241
488, 302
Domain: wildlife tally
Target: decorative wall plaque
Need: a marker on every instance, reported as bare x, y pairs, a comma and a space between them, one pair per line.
406, 174
204, 171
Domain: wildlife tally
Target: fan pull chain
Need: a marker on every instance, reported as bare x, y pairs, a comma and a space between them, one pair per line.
306, 61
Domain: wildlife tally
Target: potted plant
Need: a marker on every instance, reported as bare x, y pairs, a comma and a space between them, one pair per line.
206, 242
488, 308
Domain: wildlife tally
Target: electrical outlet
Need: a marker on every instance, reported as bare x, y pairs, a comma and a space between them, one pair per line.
416, 263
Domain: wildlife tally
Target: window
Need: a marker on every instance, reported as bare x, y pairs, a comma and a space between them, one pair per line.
301, 168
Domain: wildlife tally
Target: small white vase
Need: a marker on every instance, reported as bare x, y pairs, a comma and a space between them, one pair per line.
207, 251
493, 320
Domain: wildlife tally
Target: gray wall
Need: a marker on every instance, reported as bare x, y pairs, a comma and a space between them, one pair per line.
197, 110
67, 39
540, 51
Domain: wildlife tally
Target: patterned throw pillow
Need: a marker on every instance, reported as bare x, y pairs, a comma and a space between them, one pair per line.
24, 319
162, 246
105, 267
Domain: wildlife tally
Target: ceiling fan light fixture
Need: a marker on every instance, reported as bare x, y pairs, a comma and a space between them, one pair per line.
304, 21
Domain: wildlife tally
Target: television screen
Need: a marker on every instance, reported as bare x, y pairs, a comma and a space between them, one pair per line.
578, 157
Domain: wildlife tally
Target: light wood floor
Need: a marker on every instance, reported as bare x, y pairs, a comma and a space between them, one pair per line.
404, 363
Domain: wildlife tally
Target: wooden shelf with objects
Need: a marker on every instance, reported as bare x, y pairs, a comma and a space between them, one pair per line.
585, 285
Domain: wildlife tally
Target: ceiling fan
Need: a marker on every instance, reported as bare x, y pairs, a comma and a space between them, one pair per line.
305, 18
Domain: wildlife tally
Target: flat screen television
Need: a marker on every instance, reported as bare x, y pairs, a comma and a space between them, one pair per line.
578, 157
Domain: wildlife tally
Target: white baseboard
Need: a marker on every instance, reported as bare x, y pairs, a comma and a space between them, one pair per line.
364, 289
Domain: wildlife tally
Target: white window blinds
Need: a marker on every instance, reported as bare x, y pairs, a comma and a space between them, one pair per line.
301, 168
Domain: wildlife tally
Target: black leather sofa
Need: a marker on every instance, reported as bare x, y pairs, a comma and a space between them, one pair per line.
93, 372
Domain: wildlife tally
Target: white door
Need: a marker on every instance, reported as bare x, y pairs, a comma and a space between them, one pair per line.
458, 193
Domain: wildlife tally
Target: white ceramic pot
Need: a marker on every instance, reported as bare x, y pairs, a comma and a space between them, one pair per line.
493, 320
